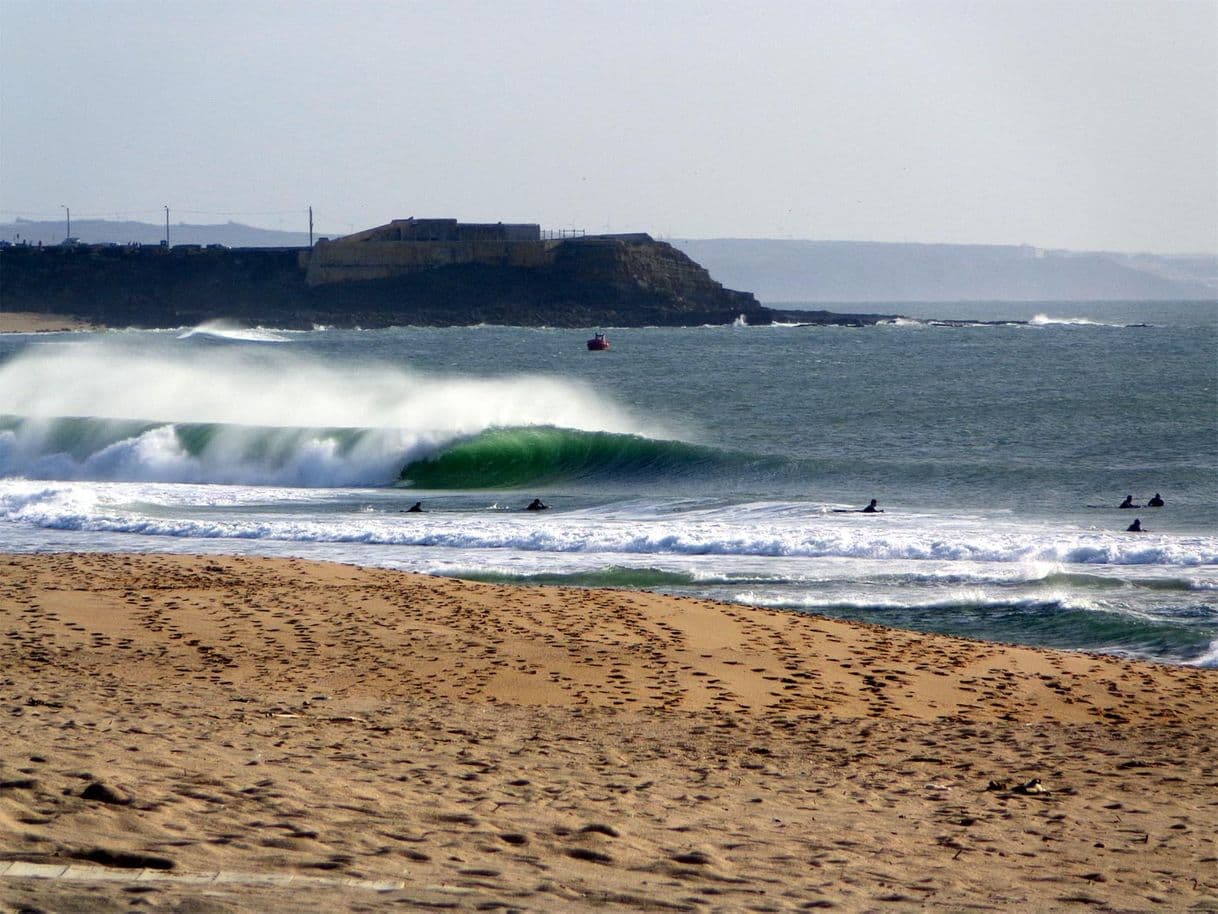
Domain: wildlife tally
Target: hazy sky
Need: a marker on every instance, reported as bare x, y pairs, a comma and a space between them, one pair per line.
1085, 125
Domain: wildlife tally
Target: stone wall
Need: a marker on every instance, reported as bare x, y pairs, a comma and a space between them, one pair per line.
413, 229
347, 261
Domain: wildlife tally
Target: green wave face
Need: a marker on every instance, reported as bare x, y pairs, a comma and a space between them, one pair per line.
512, 457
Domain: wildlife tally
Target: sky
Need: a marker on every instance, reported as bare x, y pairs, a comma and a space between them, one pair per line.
1067, 124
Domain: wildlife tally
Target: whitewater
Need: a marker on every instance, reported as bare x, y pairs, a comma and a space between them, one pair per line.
724, 462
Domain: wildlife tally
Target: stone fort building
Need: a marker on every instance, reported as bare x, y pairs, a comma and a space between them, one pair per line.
411, 245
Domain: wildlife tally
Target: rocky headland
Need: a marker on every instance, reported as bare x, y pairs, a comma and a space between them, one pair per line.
630, 280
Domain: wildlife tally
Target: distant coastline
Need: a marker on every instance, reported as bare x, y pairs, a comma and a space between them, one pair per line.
838, 275
847, 273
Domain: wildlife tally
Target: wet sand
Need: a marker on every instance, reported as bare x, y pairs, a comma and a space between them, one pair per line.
230, 734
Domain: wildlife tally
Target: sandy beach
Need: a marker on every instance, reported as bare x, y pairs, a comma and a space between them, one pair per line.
228, 734
26, 322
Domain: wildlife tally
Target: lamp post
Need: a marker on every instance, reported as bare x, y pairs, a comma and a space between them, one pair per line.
166, 226
69, 212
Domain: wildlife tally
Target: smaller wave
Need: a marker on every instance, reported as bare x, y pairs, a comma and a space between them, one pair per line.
230, 330
1059, 621
1082, 581
974, 598
1079, 581
954, 323
1209, 659
615, 576
1044, 320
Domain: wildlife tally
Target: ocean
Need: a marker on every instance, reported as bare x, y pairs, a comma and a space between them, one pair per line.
724, 462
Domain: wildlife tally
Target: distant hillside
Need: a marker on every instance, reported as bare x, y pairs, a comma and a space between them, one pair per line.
846, 271
103, 231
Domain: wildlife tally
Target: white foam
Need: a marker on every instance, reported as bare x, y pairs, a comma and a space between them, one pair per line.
1044, 320
1208, 660
975, 596
915, 542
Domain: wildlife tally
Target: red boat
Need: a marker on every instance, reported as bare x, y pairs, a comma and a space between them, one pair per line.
598, 342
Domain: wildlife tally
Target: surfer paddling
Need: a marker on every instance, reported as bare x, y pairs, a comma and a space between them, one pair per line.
873, 507
1128, 503
1135, 527
536, 505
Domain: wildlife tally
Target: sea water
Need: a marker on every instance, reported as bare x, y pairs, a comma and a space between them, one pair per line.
724, 462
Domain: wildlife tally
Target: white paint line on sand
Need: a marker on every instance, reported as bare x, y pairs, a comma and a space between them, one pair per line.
19, 869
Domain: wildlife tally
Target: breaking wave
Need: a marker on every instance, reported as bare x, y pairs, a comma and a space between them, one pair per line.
230, 330
125, 450
112, 411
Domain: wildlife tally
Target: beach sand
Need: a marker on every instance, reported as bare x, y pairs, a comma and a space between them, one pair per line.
26, 322
212, 734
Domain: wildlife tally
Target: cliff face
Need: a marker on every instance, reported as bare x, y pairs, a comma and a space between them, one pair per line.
620, 281
664, 285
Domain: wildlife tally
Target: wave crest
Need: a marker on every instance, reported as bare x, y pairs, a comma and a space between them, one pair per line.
513, 457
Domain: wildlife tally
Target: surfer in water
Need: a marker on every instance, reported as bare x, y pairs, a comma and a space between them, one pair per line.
1135, 527
1128, 503
416, 508
536, 505
873, 507
1156, 502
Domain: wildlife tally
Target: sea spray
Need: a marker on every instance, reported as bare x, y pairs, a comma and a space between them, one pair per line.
259, 386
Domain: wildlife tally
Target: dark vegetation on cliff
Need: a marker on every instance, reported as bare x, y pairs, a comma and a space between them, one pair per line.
599, 281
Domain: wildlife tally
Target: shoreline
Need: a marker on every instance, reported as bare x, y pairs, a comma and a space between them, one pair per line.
386, 738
